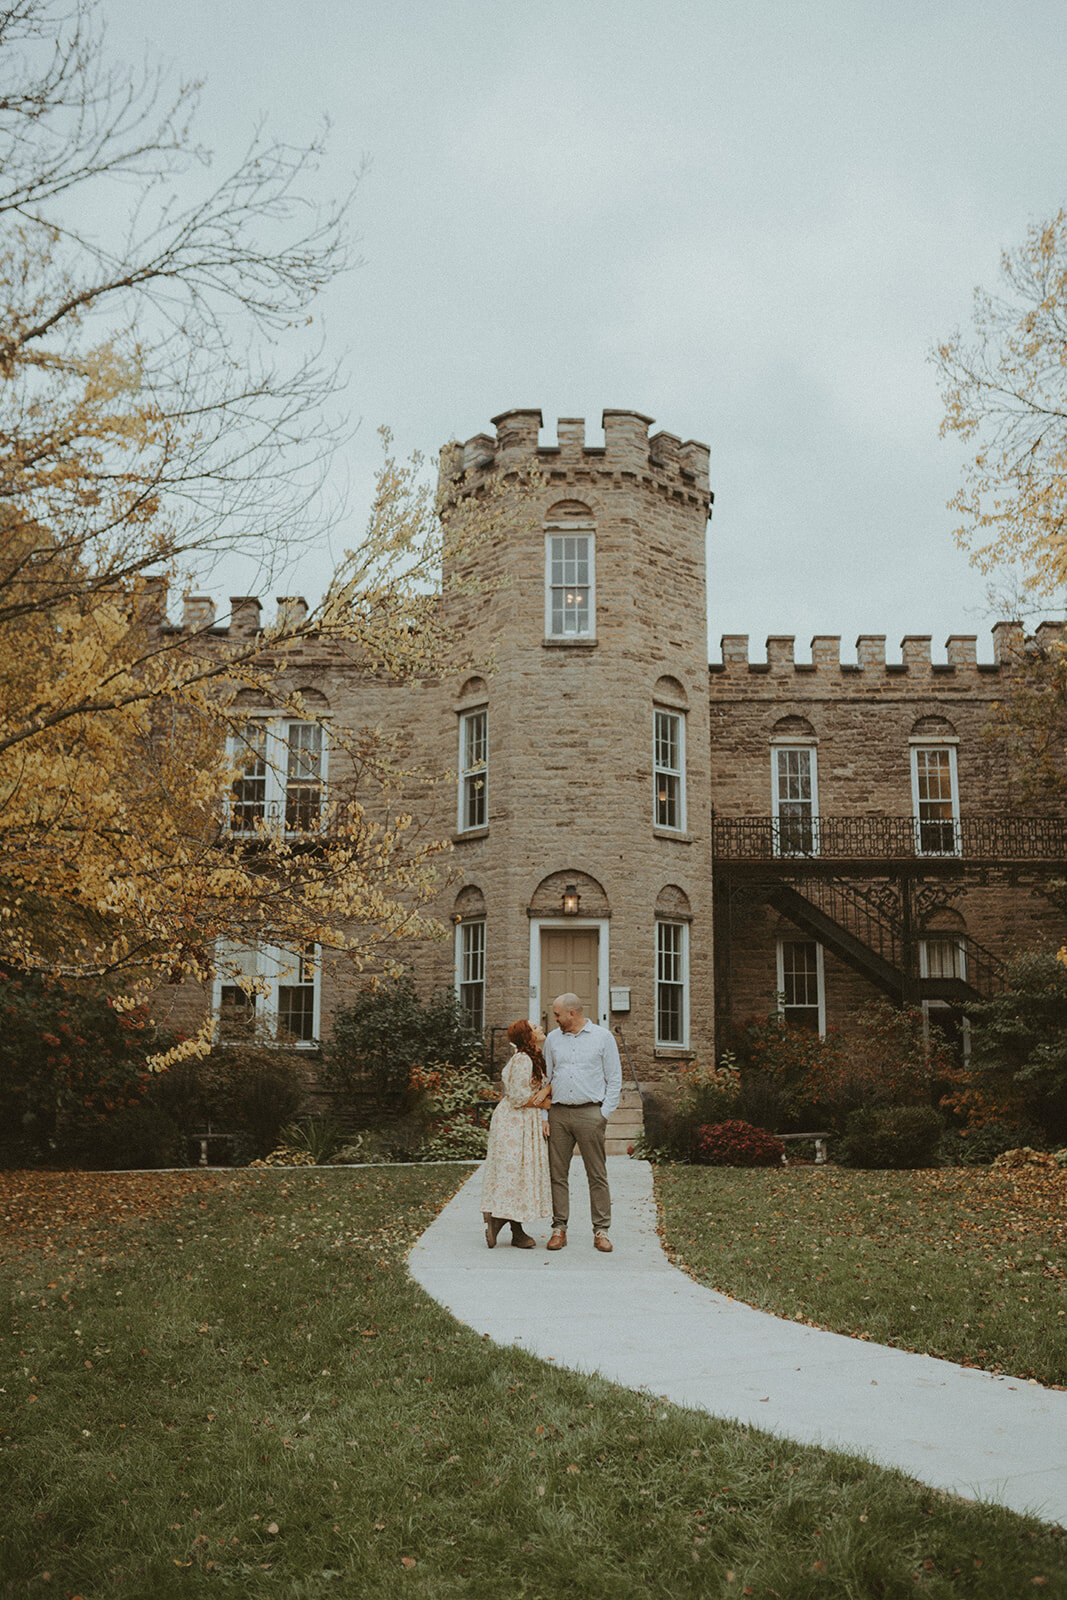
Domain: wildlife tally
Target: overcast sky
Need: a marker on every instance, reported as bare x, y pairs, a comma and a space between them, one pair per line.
749, 220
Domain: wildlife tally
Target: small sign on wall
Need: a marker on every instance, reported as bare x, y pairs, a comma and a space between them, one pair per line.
620, 999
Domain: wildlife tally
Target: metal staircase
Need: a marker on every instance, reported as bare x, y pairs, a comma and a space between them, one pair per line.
879, 939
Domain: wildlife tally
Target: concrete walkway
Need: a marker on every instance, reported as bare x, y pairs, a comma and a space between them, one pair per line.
638, 1321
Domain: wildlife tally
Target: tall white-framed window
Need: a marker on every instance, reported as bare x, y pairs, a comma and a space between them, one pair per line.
935, 799
795, 799
945, 956
470, 970
672, 983
272, 993
474, 770
668, 768
570, 584
801, 989
281, 776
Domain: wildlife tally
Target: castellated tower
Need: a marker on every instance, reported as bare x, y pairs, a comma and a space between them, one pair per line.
583, 843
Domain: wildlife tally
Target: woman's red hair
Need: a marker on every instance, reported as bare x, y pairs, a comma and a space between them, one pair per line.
520, 1034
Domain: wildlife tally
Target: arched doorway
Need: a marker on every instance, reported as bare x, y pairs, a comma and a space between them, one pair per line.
569, 915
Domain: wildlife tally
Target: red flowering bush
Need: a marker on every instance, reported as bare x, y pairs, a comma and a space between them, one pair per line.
68, 1055
738, 1144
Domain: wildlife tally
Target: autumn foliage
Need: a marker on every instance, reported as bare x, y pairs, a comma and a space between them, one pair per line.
160, 410
738, 1144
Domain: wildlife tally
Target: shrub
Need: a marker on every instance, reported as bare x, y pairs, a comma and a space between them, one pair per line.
1025, 1158
285, 1156
980, 1144
460, 1141
387, 1032
738, 1144
1019, 1044
139, 1136
786, 1070
319, 1136
69, 1059
369, 1145
708, 1094
453, 1103
808, 1082
249, 1088
891, 1137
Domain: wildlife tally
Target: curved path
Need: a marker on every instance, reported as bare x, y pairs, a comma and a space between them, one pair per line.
636, 1320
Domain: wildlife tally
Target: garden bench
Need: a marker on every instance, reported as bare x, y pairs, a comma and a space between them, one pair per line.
819, 1140
203, 1139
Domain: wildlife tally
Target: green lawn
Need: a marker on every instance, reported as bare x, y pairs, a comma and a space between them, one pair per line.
230, 1384
965, 1263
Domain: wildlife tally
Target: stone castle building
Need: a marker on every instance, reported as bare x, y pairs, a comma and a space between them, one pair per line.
686, 845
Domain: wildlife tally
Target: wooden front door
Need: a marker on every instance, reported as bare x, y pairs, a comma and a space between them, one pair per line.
569, 965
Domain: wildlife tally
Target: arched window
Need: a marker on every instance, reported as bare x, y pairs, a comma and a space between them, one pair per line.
468, 915
668, 755
570, 573
935, 787
794, 787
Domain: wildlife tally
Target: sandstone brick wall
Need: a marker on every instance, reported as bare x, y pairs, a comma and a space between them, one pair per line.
861, 719
571, 734
570, 740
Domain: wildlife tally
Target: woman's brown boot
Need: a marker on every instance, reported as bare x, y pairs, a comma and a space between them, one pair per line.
521, 1239
493, 1226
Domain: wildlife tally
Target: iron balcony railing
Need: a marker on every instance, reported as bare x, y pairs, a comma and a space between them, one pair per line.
800, 838
965, 967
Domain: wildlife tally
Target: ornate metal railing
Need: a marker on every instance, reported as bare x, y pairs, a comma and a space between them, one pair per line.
878, 919
792, 839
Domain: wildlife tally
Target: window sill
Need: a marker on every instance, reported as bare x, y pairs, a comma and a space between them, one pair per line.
569, 644
470, 833
676, 835
673, 1052
305, 1046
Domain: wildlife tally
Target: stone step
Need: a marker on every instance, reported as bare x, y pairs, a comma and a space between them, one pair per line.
626, 1123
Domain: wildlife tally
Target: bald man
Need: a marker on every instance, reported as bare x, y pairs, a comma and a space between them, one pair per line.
582, 1065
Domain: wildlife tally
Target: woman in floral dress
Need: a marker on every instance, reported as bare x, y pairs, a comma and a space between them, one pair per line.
515, 1182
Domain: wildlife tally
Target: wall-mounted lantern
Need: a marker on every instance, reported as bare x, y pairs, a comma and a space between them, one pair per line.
571, 900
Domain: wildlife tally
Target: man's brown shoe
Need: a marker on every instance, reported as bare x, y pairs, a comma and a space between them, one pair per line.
558, 1240
602, 1242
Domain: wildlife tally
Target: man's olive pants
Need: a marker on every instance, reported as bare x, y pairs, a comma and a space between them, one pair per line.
583, 1126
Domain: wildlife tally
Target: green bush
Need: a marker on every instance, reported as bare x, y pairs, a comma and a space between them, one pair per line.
320, 1136
979, 1146
706, 1095
139, 1136
891, 1137
1019, 1044
798, 1082
378, 1040
248, 1088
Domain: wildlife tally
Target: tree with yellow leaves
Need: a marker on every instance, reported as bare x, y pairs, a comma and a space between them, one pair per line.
1005, 393
140, 432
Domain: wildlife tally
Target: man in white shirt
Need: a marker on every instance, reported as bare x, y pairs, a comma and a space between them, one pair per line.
582, 1065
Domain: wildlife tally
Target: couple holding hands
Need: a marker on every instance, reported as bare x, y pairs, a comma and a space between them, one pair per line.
559, 1092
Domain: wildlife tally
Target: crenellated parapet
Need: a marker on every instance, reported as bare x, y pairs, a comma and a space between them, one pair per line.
664, 462
1009, 646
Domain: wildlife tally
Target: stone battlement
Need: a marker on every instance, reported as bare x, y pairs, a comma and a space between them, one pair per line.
1009, 644
627, 449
